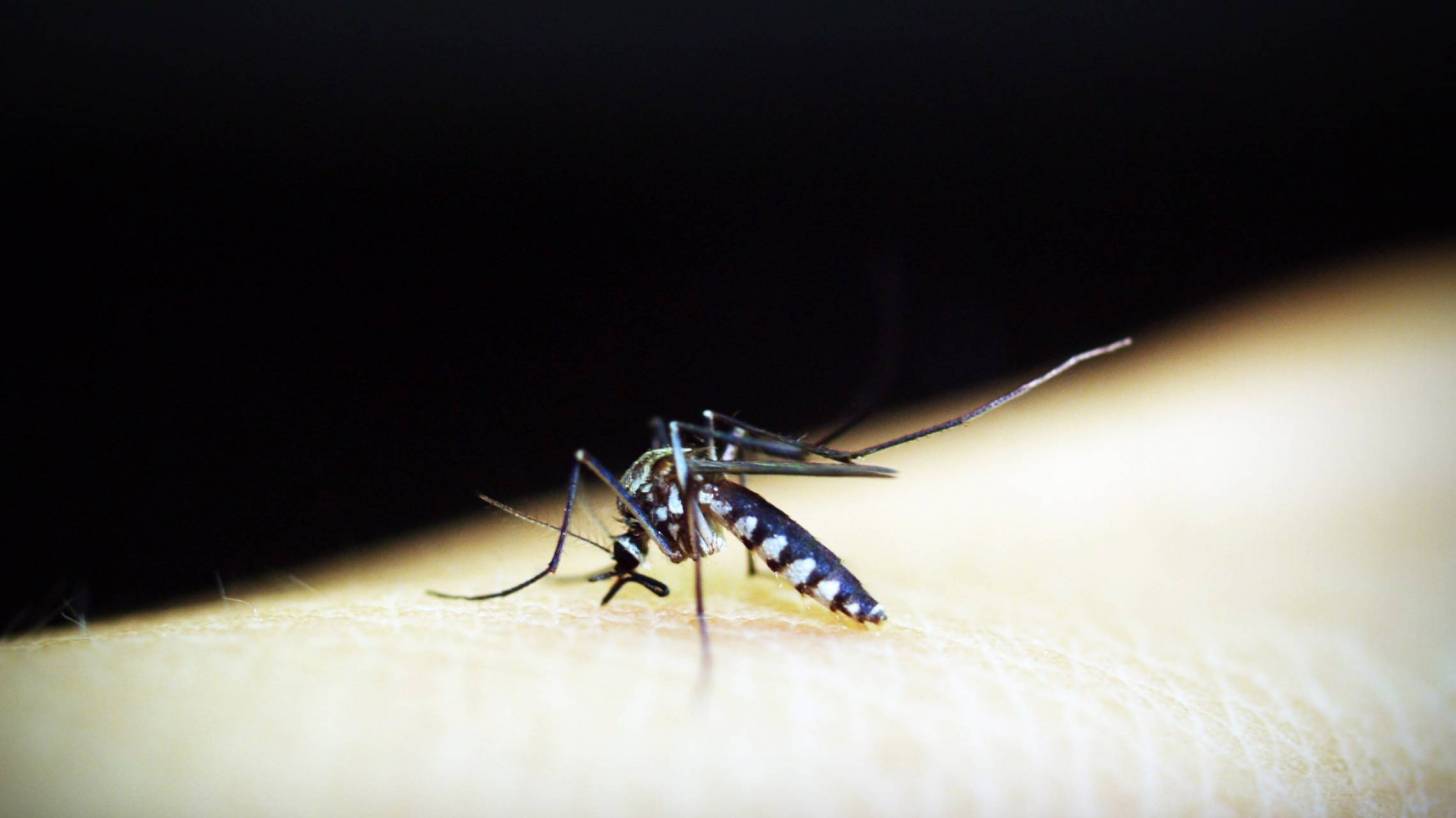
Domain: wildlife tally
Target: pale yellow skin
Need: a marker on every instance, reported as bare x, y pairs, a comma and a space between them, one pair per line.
1212, 574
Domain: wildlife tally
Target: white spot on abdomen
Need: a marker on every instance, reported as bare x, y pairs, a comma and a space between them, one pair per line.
827, 590
773, 546
799, 571
745, 526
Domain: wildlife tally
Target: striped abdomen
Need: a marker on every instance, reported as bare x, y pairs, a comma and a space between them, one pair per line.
788, 549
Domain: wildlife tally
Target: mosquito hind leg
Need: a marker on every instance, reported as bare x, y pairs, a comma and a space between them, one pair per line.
849, 455
787, 445
988, 406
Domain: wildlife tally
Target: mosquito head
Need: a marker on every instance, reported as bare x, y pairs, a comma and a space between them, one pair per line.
627, 551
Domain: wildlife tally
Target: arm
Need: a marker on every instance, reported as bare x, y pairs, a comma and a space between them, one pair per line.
1215, 572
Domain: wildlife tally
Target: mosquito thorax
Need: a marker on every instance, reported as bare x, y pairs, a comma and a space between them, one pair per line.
641, 473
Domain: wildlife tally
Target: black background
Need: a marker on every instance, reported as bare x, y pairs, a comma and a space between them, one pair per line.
294, 277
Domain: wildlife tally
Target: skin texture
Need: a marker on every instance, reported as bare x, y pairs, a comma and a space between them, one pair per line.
1212, 574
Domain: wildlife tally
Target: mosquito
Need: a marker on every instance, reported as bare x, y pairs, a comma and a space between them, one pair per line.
682, 496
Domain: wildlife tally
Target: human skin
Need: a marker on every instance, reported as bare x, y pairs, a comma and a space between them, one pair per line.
1214, 573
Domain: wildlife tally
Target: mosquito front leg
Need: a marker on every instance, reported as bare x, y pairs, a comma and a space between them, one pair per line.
595, 467
571, 485
606, 476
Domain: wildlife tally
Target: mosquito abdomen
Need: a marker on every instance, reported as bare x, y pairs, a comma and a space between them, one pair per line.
789, 550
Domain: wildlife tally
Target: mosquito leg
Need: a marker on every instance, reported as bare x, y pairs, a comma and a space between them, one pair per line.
702, 618
798, 467
845, 456
601, 472
742, 481
680, 462
730, 452
732, 449
983, 408
679, 459
713, 439
789, 446
773, 444
571, 485
606, 476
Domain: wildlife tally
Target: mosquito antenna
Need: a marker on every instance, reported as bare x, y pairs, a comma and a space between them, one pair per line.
529, 519
591, 511
983, 408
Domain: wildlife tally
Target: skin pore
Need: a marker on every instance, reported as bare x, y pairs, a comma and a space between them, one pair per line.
1212, 574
